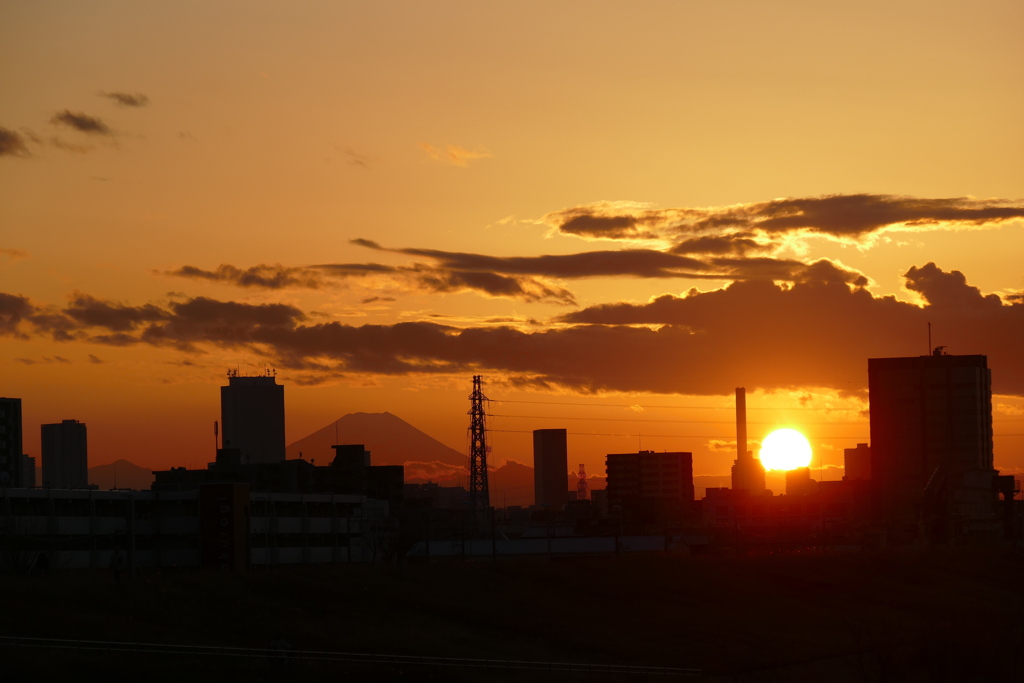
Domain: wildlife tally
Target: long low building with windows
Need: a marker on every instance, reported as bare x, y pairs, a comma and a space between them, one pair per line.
218, 525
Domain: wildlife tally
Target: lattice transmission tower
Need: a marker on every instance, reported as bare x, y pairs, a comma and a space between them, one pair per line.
479, 493
582, 489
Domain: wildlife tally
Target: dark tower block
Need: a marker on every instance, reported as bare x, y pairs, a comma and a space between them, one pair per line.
550, 468
65, 455
252, 417
931, 442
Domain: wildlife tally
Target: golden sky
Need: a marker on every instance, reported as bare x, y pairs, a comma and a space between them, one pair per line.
634, 207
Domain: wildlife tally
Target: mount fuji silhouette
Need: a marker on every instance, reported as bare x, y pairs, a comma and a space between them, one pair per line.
390, 440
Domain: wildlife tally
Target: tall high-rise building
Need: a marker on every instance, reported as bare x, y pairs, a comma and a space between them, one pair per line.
65, 455
931, 440
550, 468
252, 417
10, 442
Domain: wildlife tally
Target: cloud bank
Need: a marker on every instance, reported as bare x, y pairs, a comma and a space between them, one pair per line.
818, 331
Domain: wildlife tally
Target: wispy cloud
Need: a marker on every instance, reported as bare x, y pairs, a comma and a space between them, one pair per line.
266, 276
847, 217
14, 254
454, 155
356, 159
125, 99
83, 123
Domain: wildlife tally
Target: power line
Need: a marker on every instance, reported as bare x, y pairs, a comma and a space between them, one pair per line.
691, 436
676, 436
641, 419
635, 405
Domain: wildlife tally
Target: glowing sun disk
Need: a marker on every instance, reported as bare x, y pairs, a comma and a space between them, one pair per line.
785, 449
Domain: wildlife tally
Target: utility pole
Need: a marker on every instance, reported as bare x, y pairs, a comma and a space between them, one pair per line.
479, 493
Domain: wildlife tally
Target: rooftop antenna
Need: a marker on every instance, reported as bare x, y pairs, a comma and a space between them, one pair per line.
929, 337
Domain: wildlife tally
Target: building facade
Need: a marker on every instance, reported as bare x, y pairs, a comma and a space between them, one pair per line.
649, 486
931, 443
65, 451
252, 417
550, 468
223, 526
11, 461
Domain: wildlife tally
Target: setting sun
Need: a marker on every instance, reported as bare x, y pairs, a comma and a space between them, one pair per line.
785, 449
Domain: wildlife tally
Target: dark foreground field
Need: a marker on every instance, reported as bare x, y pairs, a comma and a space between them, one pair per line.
943, 616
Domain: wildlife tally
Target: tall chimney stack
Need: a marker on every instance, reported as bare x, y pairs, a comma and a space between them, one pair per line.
741, 424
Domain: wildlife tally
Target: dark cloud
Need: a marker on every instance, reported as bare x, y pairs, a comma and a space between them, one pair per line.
948, 290
125, 99
92, 312
95, 359
227, 323
266, 276
13, 310
738, 244
841, 216
12, 144
493, 284
819, 331
581, 222
83, 123
374, 299
639, 263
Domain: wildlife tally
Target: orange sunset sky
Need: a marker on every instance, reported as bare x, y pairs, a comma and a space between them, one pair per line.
629, 209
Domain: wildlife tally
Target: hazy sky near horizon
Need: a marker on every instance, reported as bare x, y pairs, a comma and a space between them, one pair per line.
633, 207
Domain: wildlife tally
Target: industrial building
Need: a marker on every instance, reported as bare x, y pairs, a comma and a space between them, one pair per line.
252, 417
550, 468
747, 471
931, 445
11, 460
65, 451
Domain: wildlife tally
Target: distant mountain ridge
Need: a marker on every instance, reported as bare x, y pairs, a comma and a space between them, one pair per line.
390, 440
121, 474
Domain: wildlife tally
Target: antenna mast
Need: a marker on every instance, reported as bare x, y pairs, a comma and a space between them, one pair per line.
479, 493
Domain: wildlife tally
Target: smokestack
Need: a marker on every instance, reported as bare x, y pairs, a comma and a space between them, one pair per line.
741, 423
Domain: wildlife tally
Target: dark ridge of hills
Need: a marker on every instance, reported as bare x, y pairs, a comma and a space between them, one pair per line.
390, 440
120, 474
